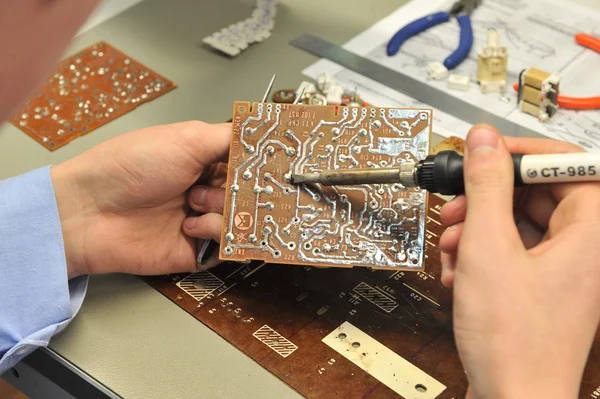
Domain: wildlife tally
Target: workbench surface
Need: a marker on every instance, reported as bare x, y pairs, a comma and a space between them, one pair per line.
127, 335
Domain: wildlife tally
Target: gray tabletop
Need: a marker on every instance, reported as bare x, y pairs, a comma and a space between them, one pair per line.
128, 336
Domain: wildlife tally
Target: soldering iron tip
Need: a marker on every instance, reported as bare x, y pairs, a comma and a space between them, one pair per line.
305, 178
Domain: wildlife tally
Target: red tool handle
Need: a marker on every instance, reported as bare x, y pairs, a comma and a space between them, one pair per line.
588, 41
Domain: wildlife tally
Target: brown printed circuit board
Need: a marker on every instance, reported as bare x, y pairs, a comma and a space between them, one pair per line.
341, 333
86, 91
268, 218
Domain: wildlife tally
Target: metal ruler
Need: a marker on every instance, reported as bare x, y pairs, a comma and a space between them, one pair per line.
409, 86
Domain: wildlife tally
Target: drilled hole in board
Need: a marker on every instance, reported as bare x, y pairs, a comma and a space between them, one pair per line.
356, 345
200, 284
242, 109
342, 336
421, 388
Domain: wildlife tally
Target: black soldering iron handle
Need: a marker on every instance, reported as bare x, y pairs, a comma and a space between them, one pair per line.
443, 173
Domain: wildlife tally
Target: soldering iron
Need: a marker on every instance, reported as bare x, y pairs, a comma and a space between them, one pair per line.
443, 172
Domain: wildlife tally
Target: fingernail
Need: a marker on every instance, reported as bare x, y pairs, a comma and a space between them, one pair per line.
445, 260
198, 195
190, 223
452, 227
482, 139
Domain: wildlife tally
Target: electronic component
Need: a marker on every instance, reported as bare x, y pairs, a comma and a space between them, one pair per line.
454, 105
437, 71
268, 218
305, 91
285, 96
86, 91
236, 38
458, 82
335, 94
492, 64
538, 93
326, 91
579, 103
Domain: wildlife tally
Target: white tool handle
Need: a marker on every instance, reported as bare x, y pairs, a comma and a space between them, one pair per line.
560, 168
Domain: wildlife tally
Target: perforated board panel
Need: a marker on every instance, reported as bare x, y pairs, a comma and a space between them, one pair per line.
267, 218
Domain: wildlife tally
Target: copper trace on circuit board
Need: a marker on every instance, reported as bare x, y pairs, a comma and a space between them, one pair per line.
86, 91
268, 218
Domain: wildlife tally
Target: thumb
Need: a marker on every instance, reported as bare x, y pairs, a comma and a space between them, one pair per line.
208, 143
489, 184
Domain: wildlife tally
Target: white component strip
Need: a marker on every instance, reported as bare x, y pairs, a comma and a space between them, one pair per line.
379, 361
236, 38
560, 168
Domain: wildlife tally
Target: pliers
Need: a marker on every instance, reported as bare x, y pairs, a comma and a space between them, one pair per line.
462, 10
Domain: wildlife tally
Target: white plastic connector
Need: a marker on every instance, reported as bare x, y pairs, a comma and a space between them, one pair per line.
437, 71
335, 93
458, 82
324, 81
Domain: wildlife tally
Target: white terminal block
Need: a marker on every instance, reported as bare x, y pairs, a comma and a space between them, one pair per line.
335, 93
324, 81
437, 71
458, 82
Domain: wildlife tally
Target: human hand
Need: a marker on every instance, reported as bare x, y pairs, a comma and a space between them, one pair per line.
526, 293
123, 204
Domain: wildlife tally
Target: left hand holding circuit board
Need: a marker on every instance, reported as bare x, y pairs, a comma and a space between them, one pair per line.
124, 204
526, 290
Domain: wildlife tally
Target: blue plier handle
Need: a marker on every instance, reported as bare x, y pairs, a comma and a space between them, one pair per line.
461, 10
